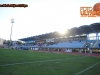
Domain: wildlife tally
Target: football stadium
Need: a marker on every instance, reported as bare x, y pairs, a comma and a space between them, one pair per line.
72, 53
76, 39
50, 37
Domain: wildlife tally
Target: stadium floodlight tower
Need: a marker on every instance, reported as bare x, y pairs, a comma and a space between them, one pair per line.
12, 21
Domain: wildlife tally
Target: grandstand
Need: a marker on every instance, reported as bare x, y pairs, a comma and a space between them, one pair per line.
76, 39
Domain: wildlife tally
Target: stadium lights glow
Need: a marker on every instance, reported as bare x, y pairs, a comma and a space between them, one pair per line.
62, 32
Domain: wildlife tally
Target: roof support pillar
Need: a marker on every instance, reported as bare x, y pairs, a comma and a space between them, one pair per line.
79, 38
87, 36
97, 36
73, 38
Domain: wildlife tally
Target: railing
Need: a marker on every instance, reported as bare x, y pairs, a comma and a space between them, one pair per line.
95, 43
83, 44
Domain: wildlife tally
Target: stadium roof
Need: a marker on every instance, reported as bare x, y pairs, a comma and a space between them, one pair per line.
85, 29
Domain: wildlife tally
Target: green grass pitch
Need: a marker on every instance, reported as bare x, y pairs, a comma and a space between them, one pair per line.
22, 62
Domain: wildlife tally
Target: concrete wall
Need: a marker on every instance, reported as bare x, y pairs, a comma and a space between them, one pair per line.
1, 41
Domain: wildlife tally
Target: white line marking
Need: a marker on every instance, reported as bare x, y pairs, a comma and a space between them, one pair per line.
86, 69
38, 61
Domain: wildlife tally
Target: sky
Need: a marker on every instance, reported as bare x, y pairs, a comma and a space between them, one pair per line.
42, 16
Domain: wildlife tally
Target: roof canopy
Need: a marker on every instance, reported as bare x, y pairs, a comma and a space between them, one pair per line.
85, 29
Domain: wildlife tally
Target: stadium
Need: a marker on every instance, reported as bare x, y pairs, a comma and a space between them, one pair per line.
72, 53
76, 39
31, 43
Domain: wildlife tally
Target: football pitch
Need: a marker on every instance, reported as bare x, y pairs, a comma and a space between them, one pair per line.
22, 62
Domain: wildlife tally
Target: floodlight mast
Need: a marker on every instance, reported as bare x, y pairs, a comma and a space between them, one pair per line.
12, 21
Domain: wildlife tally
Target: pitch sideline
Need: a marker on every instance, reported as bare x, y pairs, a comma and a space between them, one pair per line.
86, 69
39, 61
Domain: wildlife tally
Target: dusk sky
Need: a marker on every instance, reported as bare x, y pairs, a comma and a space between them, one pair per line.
42, 16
